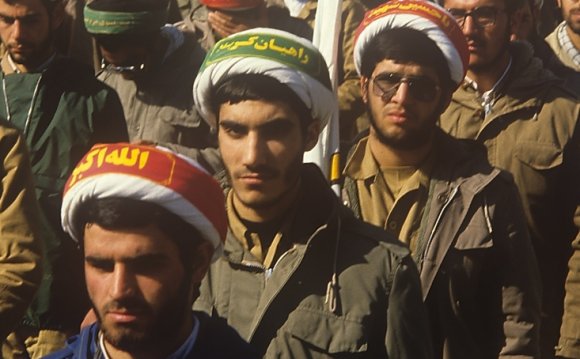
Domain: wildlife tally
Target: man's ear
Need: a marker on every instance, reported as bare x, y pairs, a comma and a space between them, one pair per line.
58, 15
312, 133
364, 88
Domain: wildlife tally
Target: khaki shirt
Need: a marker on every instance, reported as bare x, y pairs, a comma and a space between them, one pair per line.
392, 198
264, 253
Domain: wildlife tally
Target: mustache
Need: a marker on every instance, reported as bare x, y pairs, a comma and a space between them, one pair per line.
131, 305
259, 170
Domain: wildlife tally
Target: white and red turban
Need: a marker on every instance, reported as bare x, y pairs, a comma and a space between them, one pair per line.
288, 58
150, 174
424, 16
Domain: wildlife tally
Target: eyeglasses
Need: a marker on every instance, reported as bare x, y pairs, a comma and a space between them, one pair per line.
121, 69
422, 88
482, 16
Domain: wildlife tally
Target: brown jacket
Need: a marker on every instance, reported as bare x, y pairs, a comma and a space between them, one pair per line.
20, 243
479, 276
533, 132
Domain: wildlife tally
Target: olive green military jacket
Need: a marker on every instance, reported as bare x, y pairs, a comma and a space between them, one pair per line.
62, 112
533, 132
20, 238
345, 288
478, 272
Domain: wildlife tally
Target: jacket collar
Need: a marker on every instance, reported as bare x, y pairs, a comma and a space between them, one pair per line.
316, 207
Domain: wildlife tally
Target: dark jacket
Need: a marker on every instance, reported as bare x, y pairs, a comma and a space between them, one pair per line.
343, 289
62, 111
21, 236
478, 272
214, 340
533, 132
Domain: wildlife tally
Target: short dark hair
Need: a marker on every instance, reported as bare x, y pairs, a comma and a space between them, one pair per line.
255, 87
406, 45
124, 213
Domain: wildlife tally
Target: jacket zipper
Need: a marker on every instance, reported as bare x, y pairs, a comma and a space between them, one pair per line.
282, 286
438, 220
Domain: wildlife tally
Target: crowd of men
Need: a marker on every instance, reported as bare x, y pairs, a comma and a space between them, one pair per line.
155, 202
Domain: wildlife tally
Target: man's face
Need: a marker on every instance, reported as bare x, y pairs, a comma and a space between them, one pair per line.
262, 146
137, 285
571, 14
402, 117
26, 31
487, 42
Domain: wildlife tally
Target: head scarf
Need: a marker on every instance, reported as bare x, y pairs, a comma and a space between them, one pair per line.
290, 59
424, 16
150, 174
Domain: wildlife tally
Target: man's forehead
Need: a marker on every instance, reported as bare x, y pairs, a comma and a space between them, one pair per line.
469, 4
26, 6
409, 68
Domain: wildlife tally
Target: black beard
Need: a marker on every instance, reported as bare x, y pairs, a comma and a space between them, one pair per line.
415, 138
162, 333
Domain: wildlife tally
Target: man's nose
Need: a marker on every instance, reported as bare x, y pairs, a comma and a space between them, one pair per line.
123, 282
401, 95
254, 150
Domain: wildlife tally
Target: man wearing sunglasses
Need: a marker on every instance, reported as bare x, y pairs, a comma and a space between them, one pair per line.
528, 121
461, 218
152, 67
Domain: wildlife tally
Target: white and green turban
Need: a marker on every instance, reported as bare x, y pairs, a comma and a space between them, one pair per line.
290, 59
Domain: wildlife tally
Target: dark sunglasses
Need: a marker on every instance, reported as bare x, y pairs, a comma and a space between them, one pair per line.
421, 88
483, 16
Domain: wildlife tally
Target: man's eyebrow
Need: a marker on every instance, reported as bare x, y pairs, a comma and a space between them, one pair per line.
138, 259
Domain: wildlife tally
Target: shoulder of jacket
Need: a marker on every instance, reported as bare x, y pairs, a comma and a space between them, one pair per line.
357, 232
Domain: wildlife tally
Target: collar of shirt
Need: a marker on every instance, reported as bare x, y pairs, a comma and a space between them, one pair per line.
488, 97
567, 44
252, 242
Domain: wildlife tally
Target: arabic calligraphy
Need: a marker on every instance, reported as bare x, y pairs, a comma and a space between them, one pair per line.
125, 156
261, 44
411, 6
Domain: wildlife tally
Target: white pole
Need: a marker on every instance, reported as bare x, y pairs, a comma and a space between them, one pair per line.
327, 28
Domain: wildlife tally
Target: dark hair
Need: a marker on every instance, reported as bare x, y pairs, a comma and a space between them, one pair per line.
244, 87
406, 45
124, 213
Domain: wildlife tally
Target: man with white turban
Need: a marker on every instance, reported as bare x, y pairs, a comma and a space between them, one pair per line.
461, 218
149, 222
300, 276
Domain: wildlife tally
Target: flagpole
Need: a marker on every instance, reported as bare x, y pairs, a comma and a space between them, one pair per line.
327, 28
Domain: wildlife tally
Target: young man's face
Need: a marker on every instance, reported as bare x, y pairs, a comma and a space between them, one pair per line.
571, 14
403, 117
26, 31
138, 286
262, 146
487, 42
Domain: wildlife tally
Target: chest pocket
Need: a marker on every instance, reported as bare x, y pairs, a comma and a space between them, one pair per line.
327, 333
539, 156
